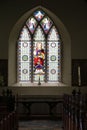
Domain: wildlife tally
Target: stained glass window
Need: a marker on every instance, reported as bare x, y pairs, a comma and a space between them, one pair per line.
39, 50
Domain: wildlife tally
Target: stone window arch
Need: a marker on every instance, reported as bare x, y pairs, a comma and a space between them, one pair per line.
23, 35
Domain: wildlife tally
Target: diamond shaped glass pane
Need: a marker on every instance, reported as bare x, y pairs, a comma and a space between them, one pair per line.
31, 23
46, 24
39, 15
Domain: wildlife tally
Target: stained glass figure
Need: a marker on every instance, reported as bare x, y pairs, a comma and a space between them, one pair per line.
31, 23
39, 53
39, 57
39, 14
46, 23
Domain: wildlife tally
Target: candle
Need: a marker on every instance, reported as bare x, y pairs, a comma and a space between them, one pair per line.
79, 76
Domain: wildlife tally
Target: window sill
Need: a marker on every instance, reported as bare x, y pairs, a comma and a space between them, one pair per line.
36, 85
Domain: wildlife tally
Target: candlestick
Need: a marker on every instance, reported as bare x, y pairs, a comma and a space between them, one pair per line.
39, 83
79, 76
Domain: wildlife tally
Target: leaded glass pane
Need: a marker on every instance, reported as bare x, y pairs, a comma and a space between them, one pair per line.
53, 34
24, 61
24, 35
52, 60
24, 72
46, 23
39, 35
53, 72
31, 23
53, 56
39, 14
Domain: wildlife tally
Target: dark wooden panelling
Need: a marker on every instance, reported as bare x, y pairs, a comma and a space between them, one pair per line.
83, 67
4, 70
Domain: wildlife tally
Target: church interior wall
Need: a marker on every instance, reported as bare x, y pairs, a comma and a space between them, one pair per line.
72, 13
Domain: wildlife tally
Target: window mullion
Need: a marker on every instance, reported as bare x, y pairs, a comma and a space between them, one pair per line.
32, 61
46, 61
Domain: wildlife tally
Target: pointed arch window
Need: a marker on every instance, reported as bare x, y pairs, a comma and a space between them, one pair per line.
39, 50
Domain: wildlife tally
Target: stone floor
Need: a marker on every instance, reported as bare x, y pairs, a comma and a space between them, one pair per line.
39, 129
40, 125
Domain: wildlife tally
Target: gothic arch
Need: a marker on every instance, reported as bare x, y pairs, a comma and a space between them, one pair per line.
66, 48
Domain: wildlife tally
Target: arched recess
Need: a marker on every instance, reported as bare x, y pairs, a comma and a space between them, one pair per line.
66, 48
